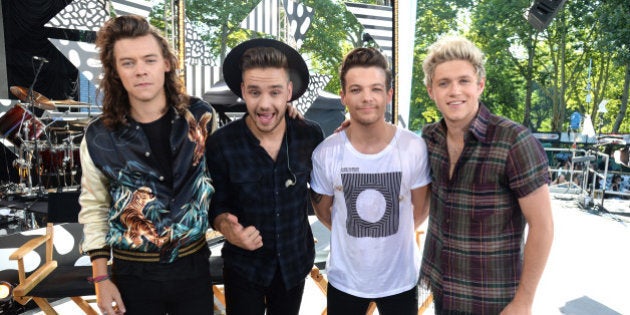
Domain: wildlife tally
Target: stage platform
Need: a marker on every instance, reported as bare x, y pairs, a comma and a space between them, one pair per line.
587, 273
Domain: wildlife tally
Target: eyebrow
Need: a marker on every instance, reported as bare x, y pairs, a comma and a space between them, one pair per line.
455, 78
142, 57
256, 86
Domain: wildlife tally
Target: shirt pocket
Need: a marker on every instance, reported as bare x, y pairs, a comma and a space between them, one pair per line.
248, 187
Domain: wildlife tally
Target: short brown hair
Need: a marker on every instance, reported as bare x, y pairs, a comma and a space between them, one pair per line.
364, 57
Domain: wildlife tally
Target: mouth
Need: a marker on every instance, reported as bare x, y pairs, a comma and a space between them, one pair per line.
265, 118
456, 103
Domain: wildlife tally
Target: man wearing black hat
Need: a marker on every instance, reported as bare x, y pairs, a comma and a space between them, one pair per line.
260, 168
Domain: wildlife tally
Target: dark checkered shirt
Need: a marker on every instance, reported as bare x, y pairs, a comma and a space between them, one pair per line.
251, 186
473, 253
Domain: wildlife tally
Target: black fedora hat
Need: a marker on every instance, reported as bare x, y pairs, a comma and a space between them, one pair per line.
298, 71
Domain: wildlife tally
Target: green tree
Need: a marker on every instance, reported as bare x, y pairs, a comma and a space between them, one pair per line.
434, 19
613, 17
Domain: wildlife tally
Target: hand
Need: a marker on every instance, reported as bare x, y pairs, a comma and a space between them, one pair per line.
108, 298
248, 238
344, 125
293, 112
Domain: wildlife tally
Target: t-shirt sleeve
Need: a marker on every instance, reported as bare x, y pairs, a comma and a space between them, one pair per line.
321, 183
422, 171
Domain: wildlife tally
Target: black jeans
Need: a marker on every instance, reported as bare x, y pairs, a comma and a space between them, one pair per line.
174, 297
245, 298
341, 303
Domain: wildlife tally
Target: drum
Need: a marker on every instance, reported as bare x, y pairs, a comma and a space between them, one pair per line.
59, 158
16, 120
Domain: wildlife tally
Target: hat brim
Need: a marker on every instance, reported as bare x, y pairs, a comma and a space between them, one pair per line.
298, 71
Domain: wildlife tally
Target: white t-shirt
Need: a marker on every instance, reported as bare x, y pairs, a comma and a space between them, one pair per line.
373, 252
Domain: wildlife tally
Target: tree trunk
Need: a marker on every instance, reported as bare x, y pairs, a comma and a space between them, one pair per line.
529, 85
624, 101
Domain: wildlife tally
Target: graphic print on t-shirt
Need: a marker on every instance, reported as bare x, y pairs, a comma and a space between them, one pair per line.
372, 203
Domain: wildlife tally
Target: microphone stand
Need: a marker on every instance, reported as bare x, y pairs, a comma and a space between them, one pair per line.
31, 99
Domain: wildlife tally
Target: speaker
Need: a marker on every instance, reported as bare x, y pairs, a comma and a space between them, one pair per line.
63, 207
542, 12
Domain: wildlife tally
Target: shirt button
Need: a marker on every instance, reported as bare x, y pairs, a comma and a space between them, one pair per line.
147, 154
161, 178
277, 214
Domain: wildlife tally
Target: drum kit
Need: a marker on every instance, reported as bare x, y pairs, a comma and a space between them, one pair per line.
47, 152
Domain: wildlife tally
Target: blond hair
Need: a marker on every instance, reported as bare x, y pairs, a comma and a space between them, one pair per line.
452, 48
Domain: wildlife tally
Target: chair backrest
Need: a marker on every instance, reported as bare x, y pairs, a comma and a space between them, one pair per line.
66, 250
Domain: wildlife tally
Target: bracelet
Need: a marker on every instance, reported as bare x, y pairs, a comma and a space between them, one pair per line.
98, 279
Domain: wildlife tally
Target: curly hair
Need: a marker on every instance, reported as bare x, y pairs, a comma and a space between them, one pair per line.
365, 57
116, 104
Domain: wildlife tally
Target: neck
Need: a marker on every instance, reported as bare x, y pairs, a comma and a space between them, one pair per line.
146, 112
371, 138
148, 115
266, 136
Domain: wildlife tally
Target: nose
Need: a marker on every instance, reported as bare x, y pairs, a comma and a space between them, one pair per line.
455, 88
266, 101
141, 69
368, 96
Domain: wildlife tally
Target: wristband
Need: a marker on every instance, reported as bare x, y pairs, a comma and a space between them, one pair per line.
98, 279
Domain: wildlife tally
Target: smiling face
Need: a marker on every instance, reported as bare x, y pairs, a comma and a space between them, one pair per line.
456, 89
266, 92
141, 69
365, 94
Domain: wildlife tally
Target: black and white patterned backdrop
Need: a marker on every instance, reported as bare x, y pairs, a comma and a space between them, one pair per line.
317, 83
87, 15
299, 17
377, 20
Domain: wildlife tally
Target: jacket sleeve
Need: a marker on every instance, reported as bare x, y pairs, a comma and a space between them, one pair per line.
95, 203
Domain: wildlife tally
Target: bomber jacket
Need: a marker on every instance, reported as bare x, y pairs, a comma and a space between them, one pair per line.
125, 203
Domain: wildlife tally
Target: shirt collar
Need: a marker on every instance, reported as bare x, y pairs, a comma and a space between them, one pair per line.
479, 125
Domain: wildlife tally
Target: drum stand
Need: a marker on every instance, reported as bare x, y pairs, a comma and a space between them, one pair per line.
23, 163
31, 98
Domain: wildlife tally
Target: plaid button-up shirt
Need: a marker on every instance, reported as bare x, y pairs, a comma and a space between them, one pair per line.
252, 186
473, 253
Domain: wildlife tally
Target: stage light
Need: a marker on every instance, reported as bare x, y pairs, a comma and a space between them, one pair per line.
6, 291
542, 12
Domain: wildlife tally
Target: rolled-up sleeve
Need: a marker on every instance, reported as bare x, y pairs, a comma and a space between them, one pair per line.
95, 203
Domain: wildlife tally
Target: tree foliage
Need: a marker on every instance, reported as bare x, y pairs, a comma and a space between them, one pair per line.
581, 59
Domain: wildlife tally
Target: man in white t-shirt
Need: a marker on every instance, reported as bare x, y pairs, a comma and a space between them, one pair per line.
370, 187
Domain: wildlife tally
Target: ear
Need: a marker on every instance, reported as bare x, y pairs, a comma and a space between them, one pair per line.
482, 84
242, 88
430, 91
167, 65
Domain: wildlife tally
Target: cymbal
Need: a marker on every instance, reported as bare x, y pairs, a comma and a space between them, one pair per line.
64, 131
40, 101
68, 102
78, 123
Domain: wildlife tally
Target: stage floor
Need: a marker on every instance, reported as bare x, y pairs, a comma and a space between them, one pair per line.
587, 272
